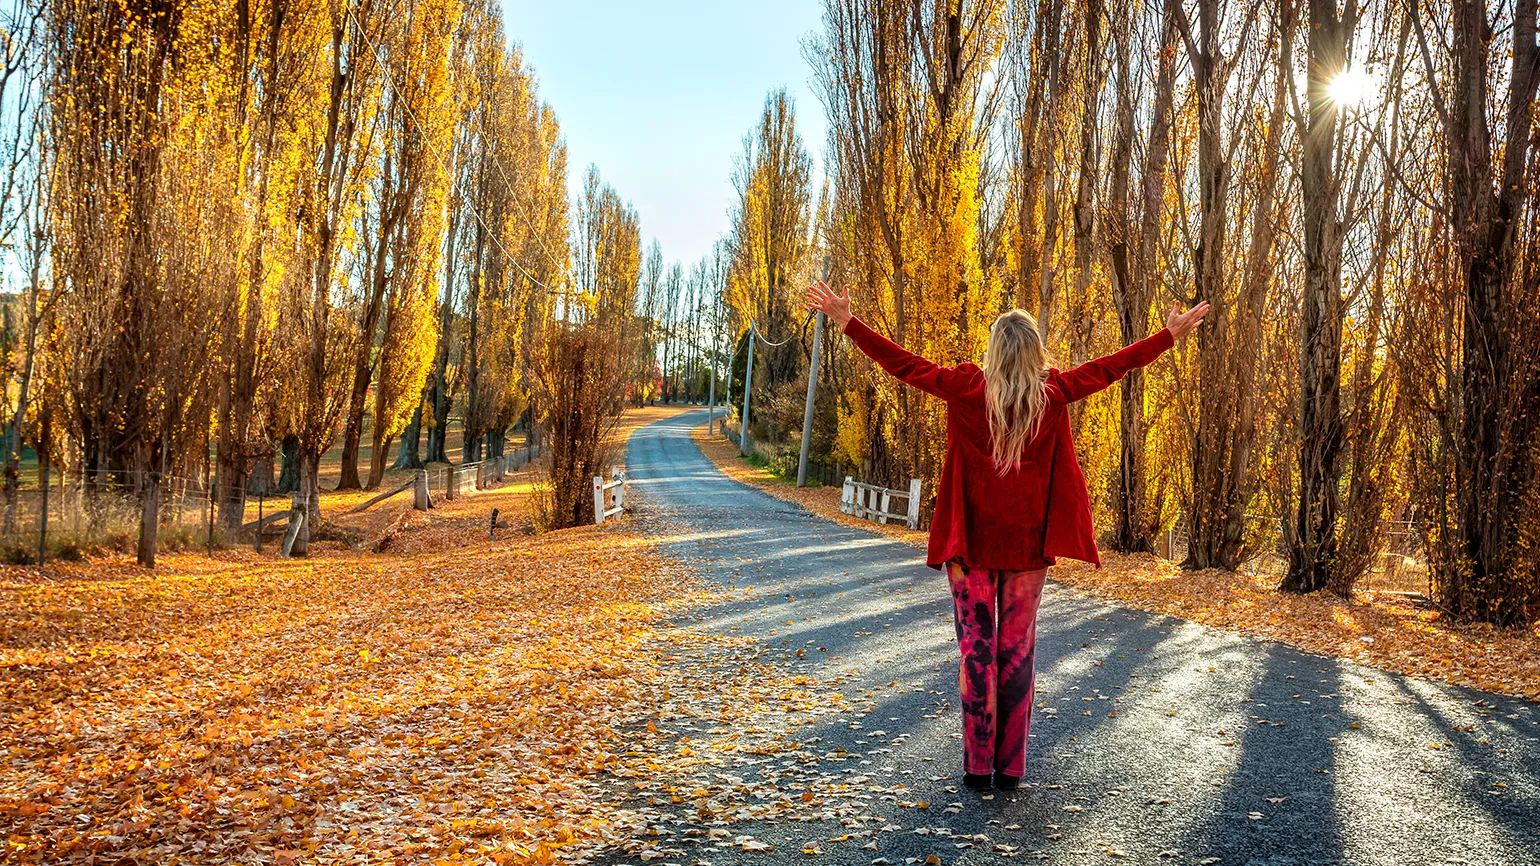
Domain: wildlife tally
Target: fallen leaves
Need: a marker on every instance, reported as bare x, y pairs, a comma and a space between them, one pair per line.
453, 699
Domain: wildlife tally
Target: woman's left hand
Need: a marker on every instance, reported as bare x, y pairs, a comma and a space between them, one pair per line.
837, 307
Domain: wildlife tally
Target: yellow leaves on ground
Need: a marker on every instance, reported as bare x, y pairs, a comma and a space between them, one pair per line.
449, 702
1405, 639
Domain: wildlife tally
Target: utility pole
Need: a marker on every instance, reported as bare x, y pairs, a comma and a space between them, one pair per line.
711, 392
812, 390
727, 400
748, 388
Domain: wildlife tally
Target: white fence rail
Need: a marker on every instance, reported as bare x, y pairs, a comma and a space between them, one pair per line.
614, 491
871, 502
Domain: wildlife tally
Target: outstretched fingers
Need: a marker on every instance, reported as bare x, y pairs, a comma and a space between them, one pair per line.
1181, 323
820, 296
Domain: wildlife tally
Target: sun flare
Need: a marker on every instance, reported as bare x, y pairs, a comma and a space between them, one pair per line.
1352, 86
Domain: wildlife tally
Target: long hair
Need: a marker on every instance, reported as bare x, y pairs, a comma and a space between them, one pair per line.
1015, 367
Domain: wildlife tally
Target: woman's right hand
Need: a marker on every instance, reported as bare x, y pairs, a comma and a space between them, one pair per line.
1180, 323
823, 299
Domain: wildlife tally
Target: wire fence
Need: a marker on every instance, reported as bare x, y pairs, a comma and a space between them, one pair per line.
101, 512
1401, 565
783, 461
72, 517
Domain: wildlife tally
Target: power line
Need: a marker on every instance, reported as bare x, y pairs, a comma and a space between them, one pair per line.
443, 163
766, 340
529, 223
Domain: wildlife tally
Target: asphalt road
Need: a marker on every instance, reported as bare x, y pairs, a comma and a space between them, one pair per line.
1154, 740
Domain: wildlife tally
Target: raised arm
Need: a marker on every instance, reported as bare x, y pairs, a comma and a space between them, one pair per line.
900, 363
1093, 376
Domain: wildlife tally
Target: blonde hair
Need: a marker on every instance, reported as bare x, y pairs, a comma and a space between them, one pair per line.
1015, 367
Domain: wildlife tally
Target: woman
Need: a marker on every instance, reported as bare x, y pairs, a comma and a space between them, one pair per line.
1011, 501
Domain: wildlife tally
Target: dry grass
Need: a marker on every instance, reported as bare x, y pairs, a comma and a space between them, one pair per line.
1382, 631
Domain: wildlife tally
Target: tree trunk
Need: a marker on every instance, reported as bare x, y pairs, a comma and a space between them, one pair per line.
1214, 533
380, 447
15, 430
149, 520
1084, 215
310, 498
438, 383
363, 361
409, 455
260, 482
1495, 478
235, 416
288, 474
1313, 551
1133, 259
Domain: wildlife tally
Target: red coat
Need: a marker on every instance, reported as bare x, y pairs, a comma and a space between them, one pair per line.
1040, 509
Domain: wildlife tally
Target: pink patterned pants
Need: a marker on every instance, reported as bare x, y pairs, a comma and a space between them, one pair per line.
996, 616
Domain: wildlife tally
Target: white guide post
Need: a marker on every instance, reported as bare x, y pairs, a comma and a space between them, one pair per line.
598, 499
914, 503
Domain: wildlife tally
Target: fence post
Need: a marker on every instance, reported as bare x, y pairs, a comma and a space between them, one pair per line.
449, 482
42, 529
620, 492
846, 494
598, 499
914, 503
420, 501
292, 543
481, 475
883, 505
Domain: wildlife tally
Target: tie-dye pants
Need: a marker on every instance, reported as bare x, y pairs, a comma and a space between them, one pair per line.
996, 616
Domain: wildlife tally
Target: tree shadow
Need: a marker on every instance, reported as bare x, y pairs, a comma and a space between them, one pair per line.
1150, 734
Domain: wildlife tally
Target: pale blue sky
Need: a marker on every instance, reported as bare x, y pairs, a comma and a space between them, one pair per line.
660, 94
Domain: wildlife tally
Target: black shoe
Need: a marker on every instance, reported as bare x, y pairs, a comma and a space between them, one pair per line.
976, 781
1007, 783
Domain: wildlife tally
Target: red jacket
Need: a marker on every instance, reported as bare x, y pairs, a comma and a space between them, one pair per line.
1040, 509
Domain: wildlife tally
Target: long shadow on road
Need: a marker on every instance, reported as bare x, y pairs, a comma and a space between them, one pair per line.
1153, 738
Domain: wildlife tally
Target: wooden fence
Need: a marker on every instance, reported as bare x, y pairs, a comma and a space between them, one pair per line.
871, 502
612, 491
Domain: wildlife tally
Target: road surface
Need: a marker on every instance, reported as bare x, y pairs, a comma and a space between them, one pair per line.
1154, 740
